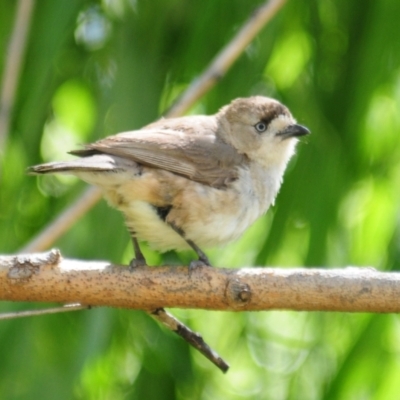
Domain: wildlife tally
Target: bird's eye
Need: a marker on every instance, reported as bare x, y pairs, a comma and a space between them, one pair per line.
261, 126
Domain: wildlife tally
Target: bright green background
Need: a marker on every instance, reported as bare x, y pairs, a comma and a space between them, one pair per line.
336, 65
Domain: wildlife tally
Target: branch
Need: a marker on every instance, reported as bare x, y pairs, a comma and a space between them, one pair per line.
226, 57
60, 224
13, 65
217, 68
50, 278
19, 269
193, 338
35, 313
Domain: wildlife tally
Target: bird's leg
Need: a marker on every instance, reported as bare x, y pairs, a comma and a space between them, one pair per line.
203, 259
139, 260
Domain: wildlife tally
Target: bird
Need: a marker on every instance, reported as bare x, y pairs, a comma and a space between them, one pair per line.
191, 182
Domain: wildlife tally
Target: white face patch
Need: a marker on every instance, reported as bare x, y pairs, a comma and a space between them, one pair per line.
275, 152
280, 123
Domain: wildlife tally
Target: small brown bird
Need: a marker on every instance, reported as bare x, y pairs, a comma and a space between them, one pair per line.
192, 182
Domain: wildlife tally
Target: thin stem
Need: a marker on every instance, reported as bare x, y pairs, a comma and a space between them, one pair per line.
63, 221
226, 57
193, 338
13, 65
35, 313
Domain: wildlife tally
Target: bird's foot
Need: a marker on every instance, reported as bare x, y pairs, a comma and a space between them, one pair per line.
200, 263
136, 263
139, 260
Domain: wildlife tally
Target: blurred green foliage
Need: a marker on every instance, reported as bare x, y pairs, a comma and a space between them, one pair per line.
95, 68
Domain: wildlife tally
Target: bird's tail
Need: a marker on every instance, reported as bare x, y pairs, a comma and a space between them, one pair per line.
95, 163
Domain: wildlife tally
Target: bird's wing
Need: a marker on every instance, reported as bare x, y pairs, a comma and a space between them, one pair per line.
202, 158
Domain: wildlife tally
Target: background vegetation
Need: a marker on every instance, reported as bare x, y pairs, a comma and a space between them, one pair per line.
95, 68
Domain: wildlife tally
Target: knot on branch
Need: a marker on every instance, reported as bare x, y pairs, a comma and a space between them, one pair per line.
238, 293
24, 267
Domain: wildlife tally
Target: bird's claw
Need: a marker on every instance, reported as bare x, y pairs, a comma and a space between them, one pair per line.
136, 263
197, 264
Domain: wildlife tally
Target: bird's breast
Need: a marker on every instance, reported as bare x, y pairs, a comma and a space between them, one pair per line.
208, 216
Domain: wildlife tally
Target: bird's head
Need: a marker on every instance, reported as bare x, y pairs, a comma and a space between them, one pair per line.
262, 128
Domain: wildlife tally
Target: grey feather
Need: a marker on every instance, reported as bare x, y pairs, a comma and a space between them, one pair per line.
202, 158
88, 164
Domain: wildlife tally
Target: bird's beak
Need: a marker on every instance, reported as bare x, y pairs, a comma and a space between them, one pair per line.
294, 131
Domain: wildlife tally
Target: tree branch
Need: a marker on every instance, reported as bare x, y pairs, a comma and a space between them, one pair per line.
226, 57
60, 224
45, 311
193, 338
50, 278
13, 64
20, 269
